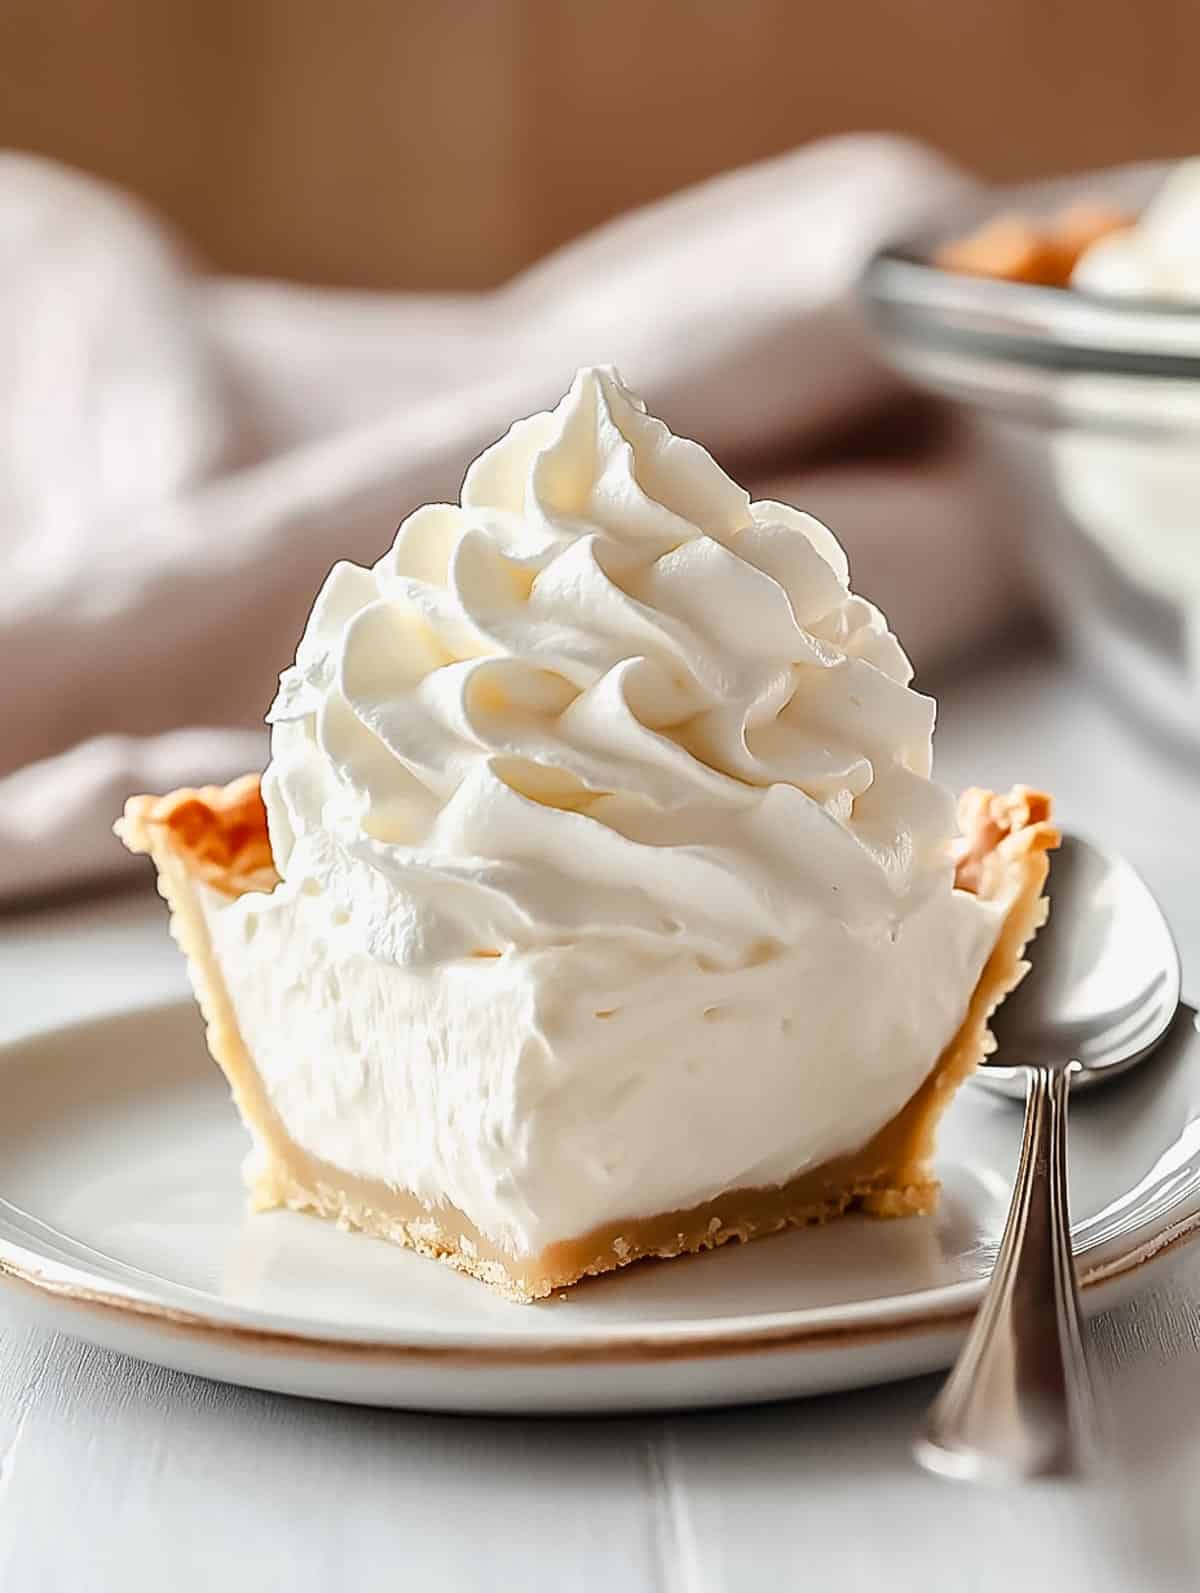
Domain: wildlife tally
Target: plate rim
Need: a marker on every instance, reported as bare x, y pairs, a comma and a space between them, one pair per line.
857, 1325
636, 1346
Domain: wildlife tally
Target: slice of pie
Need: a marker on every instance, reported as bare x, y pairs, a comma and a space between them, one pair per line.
598, 902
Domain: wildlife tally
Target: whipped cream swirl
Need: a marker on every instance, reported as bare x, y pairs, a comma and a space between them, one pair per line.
604, 698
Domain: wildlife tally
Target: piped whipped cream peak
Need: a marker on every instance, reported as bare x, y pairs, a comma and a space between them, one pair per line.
605, 698
1157, 258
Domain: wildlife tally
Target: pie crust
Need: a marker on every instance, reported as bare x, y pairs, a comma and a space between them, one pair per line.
1018, 249
216, 837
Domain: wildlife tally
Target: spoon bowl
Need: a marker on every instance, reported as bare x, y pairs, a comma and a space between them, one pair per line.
1104, 981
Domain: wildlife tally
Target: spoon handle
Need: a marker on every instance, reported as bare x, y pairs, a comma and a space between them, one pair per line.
1019, 1402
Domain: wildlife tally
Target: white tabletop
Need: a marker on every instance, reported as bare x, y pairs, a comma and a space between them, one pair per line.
117, 1475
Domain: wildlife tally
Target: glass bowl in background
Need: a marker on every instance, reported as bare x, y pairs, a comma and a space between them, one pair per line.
1097, 402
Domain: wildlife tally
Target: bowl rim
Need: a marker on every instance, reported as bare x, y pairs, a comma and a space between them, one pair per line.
912, 302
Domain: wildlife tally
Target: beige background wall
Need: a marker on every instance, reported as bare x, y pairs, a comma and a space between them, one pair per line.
444, 142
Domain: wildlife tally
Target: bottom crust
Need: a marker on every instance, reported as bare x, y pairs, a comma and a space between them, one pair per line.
300, 1182
1004, 858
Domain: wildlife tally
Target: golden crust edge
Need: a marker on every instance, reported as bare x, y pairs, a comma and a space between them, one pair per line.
219, 831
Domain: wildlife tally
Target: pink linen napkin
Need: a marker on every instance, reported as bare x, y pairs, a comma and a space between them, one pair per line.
185, 456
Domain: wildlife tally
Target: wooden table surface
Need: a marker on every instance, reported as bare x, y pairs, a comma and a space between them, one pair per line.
118, 1475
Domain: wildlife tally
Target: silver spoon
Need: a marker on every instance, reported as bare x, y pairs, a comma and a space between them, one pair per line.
1102, 992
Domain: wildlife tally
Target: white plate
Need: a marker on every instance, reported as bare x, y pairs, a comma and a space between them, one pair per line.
122, 1221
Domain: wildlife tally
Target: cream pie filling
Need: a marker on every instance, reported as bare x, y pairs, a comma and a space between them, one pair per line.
546, 1092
